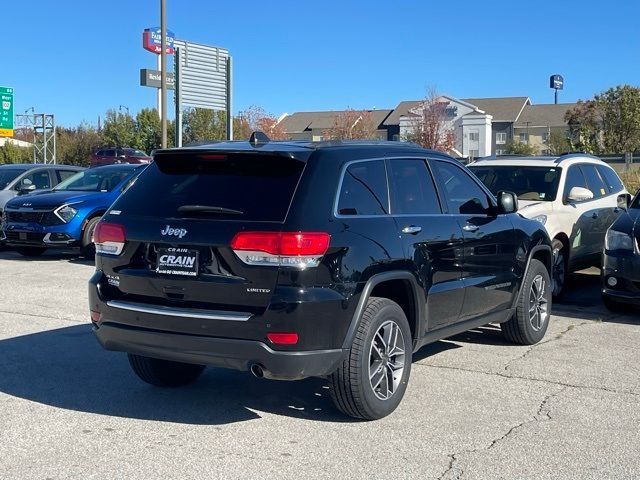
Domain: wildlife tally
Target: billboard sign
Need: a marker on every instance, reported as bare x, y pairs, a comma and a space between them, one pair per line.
151, 78
6, 112
556, 81
152, 40
203, 79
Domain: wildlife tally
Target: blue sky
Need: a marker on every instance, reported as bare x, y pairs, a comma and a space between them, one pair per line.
77, 58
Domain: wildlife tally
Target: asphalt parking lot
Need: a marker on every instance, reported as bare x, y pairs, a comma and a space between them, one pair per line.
476, 407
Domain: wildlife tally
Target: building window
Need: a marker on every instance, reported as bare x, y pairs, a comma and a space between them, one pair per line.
499, 151
474, 153
501, 138
524, 137
474, 136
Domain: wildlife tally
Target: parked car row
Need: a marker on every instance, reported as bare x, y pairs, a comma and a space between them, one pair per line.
109, 156
66, 215
583, 205
338, 260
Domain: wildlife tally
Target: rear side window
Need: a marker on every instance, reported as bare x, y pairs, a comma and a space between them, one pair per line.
218, 186
364, 189
64, 174
595, 183
611, 179
412, 188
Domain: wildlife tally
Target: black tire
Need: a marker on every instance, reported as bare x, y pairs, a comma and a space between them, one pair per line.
351, 389
88, 248
614, 306
164, 373
522, 328
560, 263
30, 251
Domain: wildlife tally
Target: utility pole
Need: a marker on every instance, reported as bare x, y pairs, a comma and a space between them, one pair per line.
163, 71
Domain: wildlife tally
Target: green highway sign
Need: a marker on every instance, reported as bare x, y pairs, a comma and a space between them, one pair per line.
6, 112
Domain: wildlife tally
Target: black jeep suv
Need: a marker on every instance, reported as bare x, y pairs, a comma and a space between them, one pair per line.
293, 259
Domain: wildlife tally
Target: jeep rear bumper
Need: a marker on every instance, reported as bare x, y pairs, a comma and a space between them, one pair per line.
219, 352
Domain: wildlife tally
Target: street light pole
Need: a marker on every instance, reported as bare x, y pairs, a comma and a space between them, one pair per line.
163, 70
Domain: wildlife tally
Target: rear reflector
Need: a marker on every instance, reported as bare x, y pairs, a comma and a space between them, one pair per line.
296, 249
109, 238
283, 338
95, 316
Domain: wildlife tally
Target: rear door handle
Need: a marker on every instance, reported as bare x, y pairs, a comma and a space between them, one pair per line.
412, 229
470, 228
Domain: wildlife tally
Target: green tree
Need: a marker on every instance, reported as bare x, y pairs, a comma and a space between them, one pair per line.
559, 142
516, 147
10, 153
148, 130
75, 145
584, 127
201, 124
119, 129
619, 111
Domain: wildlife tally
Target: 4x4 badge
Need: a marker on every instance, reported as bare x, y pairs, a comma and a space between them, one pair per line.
176, 232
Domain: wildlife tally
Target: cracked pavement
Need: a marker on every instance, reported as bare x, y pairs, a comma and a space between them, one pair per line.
476, 407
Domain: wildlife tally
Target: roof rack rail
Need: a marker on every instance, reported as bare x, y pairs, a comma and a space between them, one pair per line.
565, 156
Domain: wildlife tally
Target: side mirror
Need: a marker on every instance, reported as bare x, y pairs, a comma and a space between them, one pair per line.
507, 202
26, 187
579, 194
624, 200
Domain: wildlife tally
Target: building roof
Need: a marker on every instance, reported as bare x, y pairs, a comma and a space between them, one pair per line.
402, 110
301, 121
544, 115
503, 109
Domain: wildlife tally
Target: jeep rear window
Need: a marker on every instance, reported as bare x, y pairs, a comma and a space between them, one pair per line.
214, 185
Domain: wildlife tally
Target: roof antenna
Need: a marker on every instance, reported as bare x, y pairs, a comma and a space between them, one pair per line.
258, 138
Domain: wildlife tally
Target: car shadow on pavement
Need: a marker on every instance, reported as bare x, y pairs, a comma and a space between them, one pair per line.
71, 256
67, 368
582, 300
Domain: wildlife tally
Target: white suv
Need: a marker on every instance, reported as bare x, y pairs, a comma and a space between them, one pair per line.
574, 196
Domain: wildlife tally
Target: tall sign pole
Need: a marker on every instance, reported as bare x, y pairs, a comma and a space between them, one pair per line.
177, 65
229, 101
163, 70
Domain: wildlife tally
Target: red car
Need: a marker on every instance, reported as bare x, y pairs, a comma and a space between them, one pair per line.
109, 156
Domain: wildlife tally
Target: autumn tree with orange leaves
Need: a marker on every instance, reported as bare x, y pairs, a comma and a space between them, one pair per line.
256, 119
429, 126
352, 125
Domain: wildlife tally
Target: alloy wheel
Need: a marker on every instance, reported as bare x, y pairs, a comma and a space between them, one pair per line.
386, 360
538, 303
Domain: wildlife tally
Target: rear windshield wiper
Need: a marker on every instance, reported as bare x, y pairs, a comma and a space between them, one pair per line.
208, 209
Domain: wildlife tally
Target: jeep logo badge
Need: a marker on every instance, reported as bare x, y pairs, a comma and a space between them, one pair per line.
175, 232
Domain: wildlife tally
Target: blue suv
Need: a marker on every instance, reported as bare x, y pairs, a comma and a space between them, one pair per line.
66, 215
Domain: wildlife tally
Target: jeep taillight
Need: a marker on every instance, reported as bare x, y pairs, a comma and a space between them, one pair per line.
286, 249
109, 238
